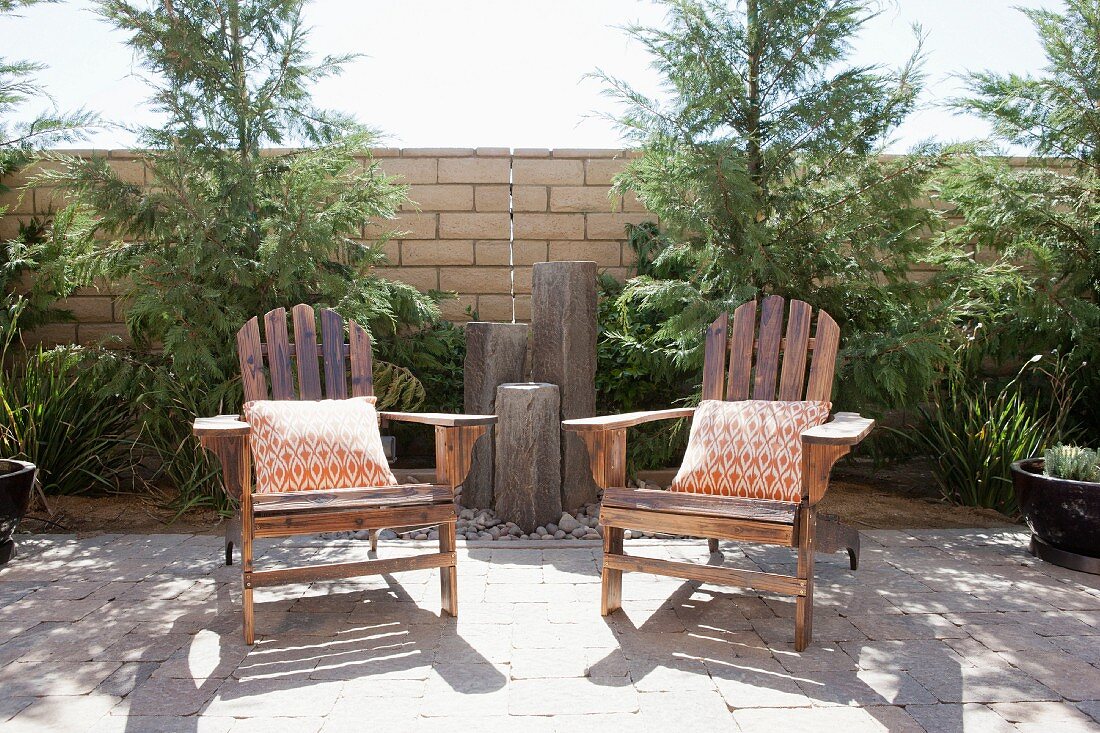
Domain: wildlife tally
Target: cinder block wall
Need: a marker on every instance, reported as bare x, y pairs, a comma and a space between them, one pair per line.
468, 205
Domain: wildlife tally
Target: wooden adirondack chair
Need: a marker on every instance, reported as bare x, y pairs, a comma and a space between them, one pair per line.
721, 517
355, 508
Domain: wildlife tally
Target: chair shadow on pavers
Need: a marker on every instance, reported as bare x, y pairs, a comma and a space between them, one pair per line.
690, 636
316, 639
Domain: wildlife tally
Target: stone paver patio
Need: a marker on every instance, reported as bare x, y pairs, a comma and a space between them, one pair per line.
938, 630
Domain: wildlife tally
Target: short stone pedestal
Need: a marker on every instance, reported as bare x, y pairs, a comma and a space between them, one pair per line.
496, 354
528, 454
563, 327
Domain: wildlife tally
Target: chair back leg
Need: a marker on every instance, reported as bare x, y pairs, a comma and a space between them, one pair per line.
834, 536
448, 576
712, 545
804, 605
232, 537
611, 596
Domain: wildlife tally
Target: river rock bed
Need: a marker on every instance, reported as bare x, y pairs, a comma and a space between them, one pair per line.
483, 525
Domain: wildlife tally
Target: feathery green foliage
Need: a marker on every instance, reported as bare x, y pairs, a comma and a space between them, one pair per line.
434, 354
36, 249
20, 138
1072, 462
228, 231
397, 388
762, 161
1044, 216
630, 378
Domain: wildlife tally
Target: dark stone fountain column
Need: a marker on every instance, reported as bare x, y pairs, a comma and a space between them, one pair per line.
496, 354
563, 302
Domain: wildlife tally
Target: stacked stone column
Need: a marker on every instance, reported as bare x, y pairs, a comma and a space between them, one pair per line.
529, 470
563, 328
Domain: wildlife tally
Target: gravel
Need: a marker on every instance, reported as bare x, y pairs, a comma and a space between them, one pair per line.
483, 525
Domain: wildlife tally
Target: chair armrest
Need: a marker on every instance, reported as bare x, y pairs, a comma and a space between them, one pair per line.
846, 428
222, 426
439, 419
824, 445
625, 420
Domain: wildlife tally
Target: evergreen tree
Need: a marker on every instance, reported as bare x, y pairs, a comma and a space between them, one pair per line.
762, 158
35, 249
18, 87
228, 229
1044, 214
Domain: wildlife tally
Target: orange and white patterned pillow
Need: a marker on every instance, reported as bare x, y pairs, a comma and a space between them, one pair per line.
303, 445
749, 448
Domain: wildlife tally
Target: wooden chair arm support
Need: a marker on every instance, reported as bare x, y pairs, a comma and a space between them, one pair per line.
454, 450
625, 420
824, 445
235, 455
846, 428
222, 426
440, 419
605, 437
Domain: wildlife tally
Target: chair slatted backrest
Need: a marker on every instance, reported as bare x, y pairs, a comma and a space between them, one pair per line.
779, 368
294, 369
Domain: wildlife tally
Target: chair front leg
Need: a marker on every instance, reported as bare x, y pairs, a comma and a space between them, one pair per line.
454, 447
606, 456
236, 461
804, 605
454, 450
611, 588
448, 575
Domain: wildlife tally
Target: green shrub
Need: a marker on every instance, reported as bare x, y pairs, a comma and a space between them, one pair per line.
1044, 214
1072, 462
630, 377
55, 413
434, 354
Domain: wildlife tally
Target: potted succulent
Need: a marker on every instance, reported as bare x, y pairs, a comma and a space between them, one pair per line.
16, 483
1059, 497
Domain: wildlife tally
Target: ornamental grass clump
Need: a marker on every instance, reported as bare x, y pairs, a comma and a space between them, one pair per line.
1072, 462
55, 413
973, 435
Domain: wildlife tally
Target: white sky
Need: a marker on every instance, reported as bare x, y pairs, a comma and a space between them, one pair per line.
508, 73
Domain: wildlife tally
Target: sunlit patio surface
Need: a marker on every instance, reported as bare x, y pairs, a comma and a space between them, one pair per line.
939, 630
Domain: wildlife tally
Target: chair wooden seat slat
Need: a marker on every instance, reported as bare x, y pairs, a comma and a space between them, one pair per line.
353, 518
293, 372
361, 498
730, 372
681, 502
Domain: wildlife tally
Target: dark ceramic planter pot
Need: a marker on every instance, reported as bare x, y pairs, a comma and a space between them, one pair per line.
1063, 515
16, 482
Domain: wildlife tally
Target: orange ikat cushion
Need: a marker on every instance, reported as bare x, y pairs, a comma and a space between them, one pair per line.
303, 445
750, 448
